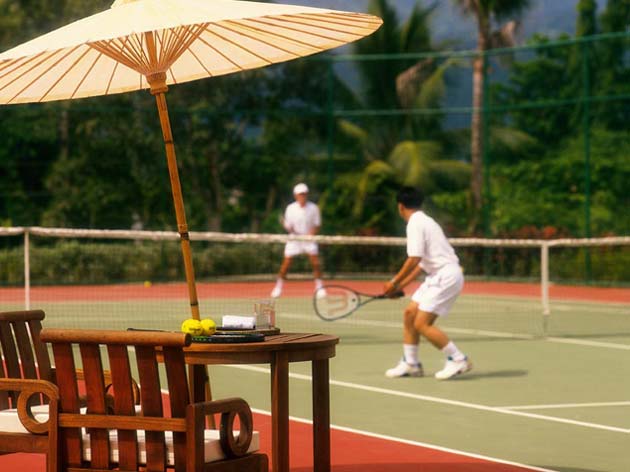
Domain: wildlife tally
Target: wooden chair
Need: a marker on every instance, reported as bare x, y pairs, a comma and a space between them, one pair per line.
28, 398
163, 432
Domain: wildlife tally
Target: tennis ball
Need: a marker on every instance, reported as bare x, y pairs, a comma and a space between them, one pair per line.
192, 327
208, 326
147, 283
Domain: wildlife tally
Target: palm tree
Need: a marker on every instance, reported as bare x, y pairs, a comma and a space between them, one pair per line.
488, 14
402, 149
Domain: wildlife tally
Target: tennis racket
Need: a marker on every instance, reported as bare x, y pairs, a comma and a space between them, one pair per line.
334, 302
232, 338
220, 337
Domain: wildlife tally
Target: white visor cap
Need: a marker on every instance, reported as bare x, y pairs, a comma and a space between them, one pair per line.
300, 188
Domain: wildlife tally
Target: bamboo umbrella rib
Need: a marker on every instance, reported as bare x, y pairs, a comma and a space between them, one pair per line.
6, 64
184, 44
199, 61
233, 43
263, 32
358, 21
285, 26
168, 41
300, 20
87, 73
111, 78
61, 77
274, 34
219, 52
20, 64
114, 53
44, 72
138, 51
12, 65
242, 30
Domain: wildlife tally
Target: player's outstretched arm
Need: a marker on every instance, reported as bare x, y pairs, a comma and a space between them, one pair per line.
411, 277
403, 275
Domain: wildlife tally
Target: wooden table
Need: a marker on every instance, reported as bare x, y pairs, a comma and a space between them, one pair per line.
278, 351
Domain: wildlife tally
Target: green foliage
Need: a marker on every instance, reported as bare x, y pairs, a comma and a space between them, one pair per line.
244, 140
550, 191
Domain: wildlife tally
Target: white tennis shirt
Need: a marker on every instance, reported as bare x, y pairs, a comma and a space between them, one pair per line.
302, 219
425, 239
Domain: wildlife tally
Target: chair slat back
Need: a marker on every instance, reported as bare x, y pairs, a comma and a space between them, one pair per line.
147, 346
22, 352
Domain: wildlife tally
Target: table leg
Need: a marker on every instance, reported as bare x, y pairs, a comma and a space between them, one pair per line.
280, 412
321, 416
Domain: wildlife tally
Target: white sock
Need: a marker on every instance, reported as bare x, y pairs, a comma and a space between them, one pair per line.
410, 353
451, 351
279, 282
318, 283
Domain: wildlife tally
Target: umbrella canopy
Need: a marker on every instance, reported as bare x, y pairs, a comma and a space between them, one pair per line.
151, 44
117, 50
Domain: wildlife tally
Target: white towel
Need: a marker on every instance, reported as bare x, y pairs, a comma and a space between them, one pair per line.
241, 322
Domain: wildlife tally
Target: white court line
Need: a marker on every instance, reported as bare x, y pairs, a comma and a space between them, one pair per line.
583, 342
444, 401
412, 443
566, 405
478, 332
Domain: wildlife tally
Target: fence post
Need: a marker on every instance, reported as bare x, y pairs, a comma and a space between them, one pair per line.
330, 124
586, 131
544, 284
485, 161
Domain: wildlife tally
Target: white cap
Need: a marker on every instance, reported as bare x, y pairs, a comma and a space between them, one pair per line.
300, 188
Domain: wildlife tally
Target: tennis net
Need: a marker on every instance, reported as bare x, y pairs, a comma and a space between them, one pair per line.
119, 279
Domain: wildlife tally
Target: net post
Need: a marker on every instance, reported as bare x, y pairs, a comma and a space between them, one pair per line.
27, 270
544, 284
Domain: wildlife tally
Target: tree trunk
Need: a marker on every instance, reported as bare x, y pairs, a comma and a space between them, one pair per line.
63, 130
214, 218
476, 131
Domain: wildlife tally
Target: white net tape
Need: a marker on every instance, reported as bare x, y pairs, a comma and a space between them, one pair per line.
322, 239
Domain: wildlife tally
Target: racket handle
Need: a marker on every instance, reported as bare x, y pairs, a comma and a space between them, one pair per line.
396, 294
148, 329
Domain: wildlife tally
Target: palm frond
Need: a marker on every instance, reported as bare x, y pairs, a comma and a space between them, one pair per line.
449, 175
354, 132
510, 139
409, 82
374, 174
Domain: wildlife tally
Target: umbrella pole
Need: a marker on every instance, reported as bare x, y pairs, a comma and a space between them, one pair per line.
158, 89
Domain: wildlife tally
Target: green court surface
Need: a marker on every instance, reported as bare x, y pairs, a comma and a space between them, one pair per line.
556, 401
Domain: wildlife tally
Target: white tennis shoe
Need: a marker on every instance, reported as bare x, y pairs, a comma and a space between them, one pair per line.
405, 370
321, 293
453, 368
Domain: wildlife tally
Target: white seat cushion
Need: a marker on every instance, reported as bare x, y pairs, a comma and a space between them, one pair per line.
10, 423
211, 446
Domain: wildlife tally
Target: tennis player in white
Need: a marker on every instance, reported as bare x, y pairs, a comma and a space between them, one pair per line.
428, 250
301, 217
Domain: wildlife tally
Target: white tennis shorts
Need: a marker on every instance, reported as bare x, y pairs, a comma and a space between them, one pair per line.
439, 291
294, 248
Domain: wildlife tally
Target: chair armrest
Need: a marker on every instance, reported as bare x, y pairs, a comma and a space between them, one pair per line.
229, 409
27, 388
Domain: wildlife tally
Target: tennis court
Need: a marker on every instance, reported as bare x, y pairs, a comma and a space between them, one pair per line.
558, 401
